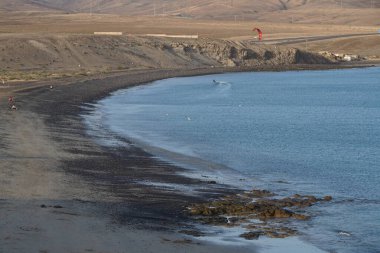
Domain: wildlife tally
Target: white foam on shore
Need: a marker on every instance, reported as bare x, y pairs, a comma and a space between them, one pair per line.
95, 128
196, 168
185, 189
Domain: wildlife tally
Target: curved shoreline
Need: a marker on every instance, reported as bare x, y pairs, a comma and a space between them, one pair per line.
55, 177
104, 182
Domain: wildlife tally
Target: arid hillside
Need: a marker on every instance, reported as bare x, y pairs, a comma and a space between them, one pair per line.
38, 57
51, 37
358, 12
368, 46
49, 41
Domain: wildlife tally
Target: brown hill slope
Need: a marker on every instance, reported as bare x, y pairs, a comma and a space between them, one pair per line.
306, 11
83, 54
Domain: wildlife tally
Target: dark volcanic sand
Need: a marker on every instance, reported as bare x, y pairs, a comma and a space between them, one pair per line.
53, 172
117, 172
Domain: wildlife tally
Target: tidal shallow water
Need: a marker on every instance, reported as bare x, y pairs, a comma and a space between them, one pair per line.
308, 132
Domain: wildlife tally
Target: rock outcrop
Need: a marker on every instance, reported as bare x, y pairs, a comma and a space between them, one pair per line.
258, 205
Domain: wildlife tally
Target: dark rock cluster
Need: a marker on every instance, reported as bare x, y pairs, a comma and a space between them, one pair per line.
260, 205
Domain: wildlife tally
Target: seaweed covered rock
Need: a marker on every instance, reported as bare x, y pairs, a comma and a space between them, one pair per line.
259, 205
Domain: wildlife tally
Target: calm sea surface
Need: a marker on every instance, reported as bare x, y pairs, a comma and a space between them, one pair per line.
308, 132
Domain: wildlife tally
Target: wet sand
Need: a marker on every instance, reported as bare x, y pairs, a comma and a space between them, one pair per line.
60, 191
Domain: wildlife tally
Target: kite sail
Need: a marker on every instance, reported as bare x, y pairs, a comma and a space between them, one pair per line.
259, 32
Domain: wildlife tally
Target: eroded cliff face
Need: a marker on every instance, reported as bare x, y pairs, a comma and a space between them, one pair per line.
67, 53
231, 54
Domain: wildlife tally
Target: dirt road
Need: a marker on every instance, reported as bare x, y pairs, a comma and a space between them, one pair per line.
296, 40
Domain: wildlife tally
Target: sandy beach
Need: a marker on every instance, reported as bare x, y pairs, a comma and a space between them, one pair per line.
63, 192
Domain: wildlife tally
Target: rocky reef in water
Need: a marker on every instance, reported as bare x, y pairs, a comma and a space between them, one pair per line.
260, 212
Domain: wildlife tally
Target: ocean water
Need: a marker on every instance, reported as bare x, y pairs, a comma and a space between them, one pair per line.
307, 132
